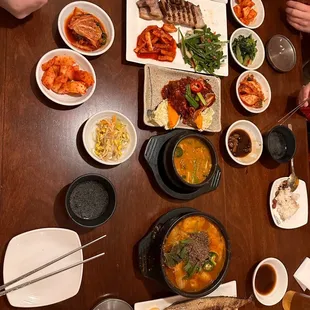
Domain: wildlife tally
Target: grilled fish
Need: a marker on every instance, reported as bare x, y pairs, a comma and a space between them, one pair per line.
211, 303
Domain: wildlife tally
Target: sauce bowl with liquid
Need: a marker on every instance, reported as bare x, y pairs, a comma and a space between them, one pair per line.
252, 141
270, 281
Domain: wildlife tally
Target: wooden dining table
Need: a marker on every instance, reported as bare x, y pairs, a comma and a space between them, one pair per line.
41, 153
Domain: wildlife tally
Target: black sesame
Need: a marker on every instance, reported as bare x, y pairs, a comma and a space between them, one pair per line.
89, 200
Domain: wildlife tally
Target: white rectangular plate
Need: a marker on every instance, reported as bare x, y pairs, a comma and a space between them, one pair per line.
300, 218
228, 289
33, 249
155, 78
214, 15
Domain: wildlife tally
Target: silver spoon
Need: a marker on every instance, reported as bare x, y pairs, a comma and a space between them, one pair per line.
292, 180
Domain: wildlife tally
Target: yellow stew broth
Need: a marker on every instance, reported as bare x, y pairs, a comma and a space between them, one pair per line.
203, 279
192, 160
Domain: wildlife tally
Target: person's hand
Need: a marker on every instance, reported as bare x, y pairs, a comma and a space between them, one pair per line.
298, 15
303, 95
22, 8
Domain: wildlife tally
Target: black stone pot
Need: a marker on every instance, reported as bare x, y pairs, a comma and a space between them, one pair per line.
169, 166
158, 255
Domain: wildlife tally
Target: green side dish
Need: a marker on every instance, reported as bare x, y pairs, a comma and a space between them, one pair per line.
245, 49
202, 49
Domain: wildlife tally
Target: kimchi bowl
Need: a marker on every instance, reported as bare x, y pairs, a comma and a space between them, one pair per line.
263, 86
66, 99
91, 34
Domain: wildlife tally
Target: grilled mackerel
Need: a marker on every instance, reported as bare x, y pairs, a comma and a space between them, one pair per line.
181, 12
211, 303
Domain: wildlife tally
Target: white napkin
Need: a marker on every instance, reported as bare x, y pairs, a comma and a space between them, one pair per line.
302, 274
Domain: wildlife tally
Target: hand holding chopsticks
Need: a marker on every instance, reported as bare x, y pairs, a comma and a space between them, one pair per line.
4, 290
291, 113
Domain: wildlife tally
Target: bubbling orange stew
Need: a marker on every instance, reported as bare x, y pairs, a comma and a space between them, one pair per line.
194, 254
192, 160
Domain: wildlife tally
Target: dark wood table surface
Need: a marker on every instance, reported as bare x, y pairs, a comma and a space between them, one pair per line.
41, 153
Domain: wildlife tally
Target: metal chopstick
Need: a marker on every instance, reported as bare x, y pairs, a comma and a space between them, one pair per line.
49, 275
291, 113
2, 287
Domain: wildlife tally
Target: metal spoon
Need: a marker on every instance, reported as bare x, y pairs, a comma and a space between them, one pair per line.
292, 180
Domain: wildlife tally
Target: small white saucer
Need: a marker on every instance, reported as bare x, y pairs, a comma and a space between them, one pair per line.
281, 283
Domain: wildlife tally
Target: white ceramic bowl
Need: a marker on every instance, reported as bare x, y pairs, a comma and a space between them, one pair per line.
259, 8
265, 89
89, 134
260, 55
281, 283
256, 139
67, 100
95, 10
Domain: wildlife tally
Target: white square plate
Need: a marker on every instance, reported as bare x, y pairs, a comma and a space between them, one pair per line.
155, 78
214, 15
300, 218
228, 289
33, 249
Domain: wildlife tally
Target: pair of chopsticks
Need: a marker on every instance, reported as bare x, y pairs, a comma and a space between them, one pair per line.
291, 113
4, 290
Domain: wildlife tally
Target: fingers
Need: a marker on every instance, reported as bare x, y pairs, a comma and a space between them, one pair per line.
298, 10
295, 20
298, 27
304, 94
297, 6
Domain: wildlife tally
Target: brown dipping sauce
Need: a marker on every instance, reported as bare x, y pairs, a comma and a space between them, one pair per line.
239, 143
266, 279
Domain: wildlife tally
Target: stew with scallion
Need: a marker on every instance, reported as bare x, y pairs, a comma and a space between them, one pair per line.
192, 160
194, 254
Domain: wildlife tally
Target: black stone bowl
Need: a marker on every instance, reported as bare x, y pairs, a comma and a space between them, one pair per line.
159, 258
284, 153
109, 209
170, 168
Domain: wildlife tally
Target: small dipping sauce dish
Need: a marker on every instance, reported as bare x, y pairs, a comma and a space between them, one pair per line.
270, 281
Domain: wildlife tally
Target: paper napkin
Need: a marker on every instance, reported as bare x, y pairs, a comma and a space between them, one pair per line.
302, 274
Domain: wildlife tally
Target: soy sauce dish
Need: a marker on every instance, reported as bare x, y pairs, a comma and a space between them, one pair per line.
244, 143
270, 281
90, 200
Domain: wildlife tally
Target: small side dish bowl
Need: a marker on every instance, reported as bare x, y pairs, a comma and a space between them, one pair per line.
97, 12
265, 89
280, 288
256, 140
89, 136
280, 143
259, 19
260, 55
65, 99
90, 213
